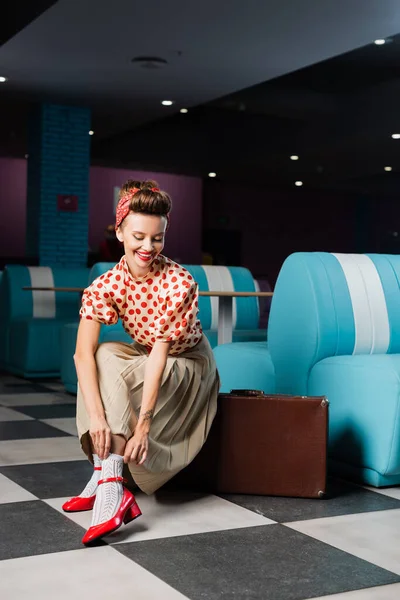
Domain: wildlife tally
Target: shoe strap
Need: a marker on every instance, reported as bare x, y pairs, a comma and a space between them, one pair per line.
97, 468
110, 479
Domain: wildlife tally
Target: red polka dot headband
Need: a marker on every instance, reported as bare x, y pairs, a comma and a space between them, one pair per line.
123, 206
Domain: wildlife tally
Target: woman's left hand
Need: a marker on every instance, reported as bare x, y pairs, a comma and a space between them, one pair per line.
137, 447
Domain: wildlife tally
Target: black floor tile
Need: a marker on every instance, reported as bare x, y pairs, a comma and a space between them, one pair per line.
271, 562
25, 430
51, 480
23, 388
31, 528
343, 499
51, 411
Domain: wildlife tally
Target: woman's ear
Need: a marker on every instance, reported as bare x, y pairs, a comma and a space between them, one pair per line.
119, 235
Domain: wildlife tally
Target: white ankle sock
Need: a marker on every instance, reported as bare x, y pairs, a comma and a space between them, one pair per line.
91, 486
109, 495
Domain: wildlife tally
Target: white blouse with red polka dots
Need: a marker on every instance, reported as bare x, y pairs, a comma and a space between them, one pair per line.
162, 305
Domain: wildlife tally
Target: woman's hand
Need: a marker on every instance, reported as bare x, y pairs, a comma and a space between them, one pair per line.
101, 436
137, 447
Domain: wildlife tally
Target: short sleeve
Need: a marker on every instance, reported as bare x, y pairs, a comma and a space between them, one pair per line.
180, 316
97, 305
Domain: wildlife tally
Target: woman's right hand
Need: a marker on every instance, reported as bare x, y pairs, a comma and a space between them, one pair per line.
101, 436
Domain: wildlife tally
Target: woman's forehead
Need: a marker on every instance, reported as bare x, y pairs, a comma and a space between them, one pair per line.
145, 223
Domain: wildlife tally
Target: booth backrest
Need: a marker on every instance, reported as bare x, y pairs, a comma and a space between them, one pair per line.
332, 305
19, 303
246, 312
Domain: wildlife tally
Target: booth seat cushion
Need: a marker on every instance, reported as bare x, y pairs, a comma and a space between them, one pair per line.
245, 365
364, 395
35, 347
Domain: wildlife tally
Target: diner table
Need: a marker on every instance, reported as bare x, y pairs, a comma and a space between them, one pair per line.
225, 305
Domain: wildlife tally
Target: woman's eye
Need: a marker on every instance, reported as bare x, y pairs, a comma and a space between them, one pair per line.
158, 240
139, 239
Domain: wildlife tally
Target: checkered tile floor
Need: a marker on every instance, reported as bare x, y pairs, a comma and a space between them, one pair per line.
186, 545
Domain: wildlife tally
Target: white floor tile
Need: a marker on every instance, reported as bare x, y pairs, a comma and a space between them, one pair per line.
100, 573
12, 492
372, 536
170, 515
383, 592
8, 414
35, 399
64, 424
392, 492
41, 450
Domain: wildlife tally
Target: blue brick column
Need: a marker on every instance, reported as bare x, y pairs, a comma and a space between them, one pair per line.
58, 165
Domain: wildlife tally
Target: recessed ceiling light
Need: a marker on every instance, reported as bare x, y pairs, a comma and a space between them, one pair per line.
184, 111
298, 183
212, 174
388, 169
91, 132
3, 79
150, 62
294, 157
380, 42
396, 136
167, 102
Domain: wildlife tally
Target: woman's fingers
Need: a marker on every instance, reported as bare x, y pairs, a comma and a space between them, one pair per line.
128, 452
143, 458
107, 443
135, 453
102, 444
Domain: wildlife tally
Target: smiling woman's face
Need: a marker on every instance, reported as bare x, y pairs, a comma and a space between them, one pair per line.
143, 238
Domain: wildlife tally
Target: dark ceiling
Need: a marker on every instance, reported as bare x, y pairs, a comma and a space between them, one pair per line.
337, 115
18, 14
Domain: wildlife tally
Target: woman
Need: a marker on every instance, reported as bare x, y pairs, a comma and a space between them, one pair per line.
151, 403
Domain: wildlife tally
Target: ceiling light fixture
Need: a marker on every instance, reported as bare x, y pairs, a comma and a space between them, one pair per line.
150, 62
184, 111
167, 102
298, 183
294, 157
396, 136
380, 42
91, 132
212, 174
3, 79
388, 169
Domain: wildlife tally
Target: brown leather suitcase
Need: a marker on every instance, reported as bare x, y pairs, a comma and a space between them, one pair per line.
266, 444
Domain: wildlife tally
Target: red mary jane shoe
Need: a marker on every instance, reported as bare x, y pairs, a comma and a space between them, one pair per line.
79, 504
127, 511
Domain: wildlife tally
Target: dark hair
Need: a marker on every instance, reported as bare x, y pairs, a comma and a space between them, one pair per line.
147, 200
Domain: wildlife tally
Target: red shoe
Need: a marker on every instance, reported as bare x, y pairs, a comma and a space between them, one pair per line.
79, 504
127, 511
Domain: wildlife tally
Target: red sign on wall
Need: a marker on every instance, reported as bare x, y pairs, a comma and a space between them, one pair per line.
67, 203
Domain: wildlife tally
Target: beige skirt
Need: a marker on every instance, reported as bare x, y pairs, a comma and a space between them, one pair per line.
183, 415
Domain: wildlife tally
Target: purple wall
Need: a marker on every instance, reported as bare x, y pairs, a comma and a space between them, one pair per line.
13, 173
274, 224
184, 236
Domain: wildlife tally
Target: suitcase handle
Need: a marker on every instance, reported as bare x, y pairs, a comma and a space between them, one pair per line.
247, 392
